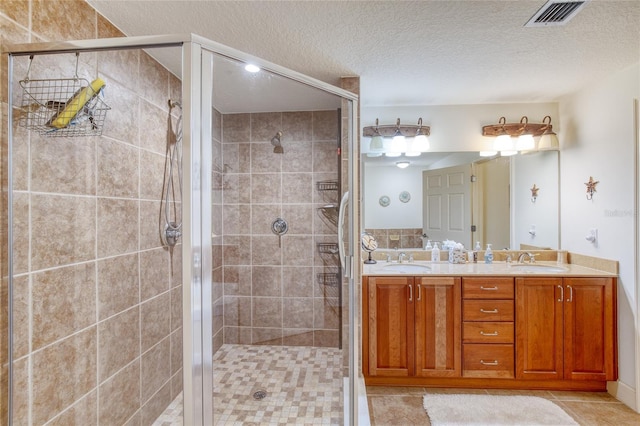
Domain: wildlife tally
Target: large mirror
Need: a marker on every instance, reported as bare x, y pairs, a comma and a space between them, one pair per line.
509, 202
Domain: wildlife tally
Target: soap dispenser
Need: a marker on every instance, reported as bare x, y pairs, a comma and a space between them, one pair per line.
435, 253
488, 254
428, 246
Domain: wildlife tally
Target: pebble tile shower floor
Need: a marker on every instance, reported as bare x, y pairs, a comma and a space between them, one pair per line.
303, 386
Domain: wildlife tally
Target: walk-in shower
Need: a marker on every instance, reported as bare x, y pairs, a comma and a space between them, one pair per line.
108, 324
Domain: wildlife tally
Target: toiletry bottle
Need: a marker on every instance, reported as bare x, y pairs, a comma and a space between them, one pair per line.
428, 246
488, 254
478, 246
435, 253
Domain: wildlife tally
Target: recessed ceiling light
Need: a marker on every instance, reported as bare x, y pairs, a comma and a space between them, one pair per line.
252, 68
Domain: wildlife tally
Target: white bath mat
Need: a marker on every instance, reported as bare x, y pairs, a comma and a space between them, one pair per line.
459, 409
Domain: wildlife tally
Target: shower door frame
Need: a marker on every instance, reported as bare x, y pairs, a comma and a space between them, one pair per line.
197, 73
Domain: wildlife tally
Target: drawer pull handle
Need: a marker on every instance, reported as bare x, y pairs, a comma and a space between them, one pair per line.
493, 311
495, 333
483, 362
494, 288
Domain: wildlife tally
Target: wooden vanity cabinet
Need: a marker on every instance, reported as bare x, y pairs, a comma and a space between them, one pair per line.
488, 327
533, 332
566, 329
390, 320
412, 326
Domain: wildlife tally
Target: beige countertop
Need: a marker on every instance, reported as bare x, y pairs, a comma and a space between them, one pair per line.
417, 268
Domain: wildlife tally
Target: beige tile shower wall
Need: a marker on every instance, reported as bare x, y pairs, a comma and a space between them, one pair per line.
97, 299
272, 294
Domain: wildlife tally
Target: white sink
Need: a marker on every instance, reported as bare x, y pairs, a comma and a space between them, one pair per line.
406, 268
536, 267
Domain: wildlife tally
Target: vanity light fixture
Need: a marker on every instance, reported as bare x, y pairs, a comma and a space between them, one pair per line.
398, 143
548, 140
525, 132
525, 141
411, 140
402, 164
376, 144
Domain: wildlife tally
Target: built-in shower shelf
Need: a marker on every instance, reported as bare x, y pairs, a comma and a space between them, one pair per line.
328, 185
328, 248
329, 279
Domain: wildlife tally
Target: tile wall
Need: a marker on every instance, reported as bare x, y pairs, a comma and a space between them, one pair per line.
97, 299
272, 293
398, 238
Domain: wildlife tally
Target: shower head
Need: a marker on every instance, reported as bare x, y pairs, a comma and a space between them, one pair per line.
275, 141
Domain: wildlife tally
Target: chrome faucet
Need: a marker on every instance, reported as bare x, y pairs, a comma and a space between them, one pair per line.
401, 257
531, 256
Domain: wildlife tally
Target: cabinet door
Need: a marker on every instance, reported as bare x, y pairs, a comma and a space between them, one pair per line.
438, 318
391, 326
539, 328
589, 319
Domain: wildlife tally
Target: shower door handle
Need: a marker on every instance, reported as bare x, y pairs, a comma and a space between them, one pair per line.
343, 207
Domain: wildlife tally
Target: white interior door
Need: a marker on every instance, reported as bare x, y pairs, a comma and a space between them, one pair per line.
446, 212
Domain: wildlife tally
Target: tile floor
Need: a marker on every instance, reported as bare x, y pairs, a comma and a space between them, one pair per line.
403, 405
303, 385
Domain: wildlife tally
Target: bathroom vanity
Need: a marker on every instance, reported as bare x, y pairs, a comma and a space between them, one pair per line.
500, 325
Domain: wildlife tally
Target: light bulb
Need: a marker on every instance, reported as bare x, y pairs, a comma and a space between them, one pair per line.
503, 143
488, 153
548, 142
376, 144
525, 143
398, 143
420, 143
402, 164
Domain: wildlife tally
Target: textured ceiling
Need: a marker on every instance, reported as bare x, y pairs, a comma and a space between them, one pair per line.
409, 52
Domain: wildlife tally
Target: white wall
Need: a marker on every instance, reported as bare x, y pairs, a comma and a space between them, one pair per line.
391, 181
598, 140
540, 169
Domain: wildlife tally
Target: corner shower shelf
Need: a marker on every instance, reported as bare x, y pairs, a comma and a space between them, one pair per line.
329, 279
327, 185
328, 248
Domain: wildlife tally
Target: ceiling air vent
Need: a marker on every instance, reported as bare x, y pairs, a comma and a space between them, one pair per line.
556, 12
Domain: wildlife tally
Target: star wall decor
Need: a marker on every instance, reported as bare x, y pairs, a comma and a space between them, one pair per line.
591, 187
534, 193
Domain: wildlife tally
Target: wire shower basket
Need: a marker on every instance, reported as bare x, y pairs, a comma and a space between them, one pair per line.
63, 107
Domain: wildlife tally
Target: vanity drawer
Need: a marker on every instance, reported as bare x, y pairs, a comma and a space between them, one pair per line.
488, 361
487, 310
487, 332
487, 288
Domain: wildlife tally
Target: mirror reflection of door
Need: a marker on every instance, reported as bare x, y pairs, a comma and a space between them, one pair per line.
447, 204
491, 215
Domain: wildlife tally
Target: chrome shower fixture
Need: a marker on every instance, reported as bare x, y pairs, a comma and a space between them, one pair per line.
277, 145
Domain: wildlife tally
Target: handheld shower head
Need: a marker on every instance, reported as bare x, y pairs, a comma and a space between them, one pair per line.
275, 141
